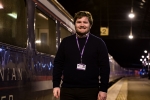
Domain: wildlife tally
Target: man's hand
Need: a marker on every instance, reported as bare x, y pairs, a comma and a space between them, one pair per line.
102, 95
56, 92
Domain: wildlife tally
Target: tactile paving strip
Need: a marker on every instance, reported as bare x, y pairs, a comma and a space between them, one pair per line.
123, 91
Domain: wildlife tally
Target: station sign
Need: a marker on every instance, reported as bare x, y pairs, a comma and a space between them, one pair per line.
104, 31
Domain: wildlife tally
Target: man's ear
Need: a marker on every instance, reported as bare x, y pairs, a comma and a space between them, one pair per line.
90, 26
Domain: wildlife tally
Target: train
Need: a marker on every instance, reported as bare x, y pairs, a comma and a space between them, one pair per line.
30, 34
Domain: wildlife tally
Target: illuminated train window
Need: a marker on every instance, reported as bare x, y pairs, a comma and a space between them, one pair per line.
13, 22
45, 33
64, 32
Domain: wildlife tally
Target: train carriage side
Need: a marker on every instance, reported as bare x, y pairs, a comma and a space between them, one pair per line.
30, 32
116, 71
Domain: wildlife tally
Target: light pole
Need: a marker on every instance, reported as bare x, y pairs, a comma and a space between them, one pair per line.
146, 61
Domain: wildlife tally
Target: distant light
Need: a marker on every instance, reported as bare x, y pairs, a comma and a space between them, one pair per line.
130, 36
141, 4
143, 0
110, 57
1, 6
131, 15
1, 49
145, 51
147, 56
142, 56
140, 59
60, 39
13, 15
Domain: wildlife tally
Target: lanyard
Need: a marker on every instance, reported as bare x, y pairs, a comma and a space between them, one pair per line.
81, 52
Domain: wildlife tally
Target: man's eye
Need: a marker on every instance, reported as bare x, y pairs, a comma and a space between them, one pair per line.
78, 22
85, 22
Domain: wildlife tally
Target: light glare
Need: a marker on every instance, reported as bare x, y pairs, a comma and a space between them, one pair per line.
131, 15
13, 15
38, 41
130, 36
145, 51
43, 16
1, 6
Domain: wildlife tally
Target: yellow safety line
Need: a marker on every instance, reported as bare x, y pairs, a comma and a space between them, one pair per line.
122, 95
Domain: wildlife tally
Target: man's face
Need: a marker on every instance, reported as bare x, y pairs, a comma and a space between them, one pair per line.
82, 26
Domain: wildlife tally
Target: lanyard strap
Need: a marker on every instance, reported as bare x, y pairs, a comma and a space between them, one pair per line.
81, 52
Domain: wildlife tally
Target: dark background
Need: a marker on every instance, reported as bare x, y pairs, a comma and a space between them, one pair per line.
114, 14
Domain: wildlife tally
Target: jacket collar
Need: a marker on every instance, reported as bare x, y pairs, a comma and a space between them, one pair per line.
83, 35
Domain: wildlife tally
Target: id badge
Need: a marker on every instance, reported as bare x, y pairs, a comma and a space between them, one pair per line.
81, 66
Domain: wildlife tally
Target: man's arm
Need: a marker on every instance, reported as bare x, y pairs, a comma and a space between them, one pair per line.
104, 67
58, 65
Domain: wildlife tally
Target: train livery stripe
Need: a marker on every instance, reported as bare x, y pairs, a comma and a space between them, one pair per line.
42, 78
42, 85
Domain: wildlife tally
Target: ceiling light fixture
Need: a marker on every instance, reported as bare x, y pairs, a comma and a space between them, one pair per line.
131, 16
130, 36
43, 16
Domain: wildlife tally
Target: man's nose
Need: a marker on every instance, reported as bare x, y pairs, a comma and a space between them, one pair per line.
82, 24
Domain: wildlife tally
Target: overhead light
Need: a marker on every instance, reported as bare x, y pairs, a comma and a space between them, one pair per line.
38, 41
13, 15
42, 16
131, 15
145, 51
1, 6
130, 36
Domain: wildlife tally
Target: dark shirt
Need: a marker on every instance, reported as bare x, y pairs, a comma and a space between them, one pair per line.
95, 57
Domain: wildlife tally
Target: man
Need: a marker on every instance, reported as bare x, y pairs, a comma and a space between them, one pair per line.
81, 59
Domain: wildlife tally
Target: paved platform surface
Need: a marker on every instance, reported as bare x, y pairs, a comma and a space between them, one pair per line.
130, 88
138, 89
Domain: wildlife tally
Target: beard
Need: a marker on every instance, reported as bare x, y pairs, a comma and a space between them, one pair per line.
82, 30
81, 34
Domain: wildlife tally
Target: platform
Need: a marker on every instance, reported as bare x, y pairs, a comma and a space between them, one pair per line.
130, 88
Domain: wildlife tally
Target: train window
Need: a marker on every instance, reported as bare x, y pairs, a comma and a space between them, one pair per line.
13, 22
45, 33
64, 32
